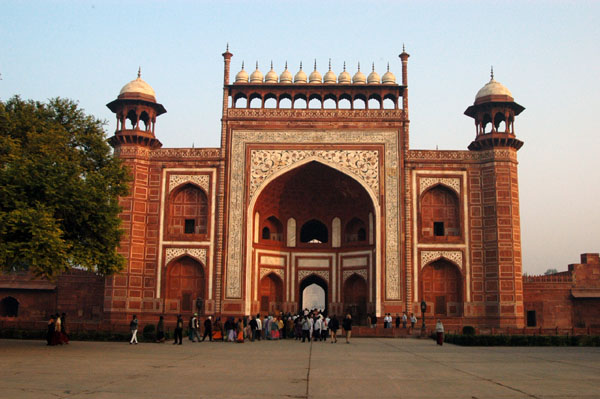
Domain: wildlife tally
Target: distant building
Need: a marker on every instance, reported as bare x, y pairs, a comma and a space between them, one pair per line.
315, 189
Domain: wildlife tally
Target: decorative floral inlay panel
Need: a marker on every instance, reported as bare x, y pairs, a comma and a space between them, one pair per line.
321, 273
198, 253
314, 113
426, 182
418, 155
430, 256
200, 180
266, 270
364, 165
387, 178
348, 273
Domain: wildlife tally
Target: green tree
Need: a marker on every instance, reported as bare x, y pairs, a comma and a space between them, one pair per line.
59, 189
550, 271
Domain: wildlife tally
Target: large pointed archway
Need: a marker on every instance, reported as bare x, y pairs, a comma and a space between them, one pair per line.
442, 288
312, 218
313, 294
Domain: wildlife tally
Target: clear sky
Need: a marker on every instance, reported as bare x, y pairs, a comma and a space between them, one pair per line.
547, 53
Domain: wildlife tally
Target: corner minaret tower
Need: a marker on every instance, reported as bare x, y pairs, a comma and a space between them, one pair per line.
136, 110
495, 192
494, 111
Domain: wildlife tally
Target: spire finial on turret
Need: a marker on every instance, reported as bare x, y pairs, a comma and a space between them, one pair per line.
330, 64
300, 65
227, 47
492, 73
315, 64
285, 64
403, 48
358, 66
271, 64
373, 67
344, 66
242, 65
388, 66
257, 65
139, 72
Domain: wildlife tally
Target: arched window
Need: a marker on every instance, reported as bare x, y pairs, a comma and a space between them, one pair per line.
188, 212
132, 118
273, 229
356, 230
440, 216
314, 232
9, 307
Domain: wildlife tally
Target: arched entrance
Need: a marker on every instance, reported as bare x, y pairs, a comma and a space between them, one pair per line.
9, 307
441, 288
185, 282
271, 293
313, 293
355, 298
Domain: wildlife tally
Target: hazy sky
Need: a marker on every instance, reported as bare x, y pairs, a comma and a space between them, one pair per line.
546, 53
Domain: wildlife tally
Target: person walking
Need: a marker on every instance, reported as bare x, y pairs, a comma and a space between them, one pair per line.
439, 331
160, 330
50, 333
253, 326
305, 329
195, 330
347, 324
133, 326
413, 321
325, 329
334, 325
208, 329
178, 330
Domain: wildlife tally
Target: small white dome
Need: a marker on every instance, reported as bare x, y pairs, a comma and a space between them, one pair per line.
344, 77
373, 77
388, 78
315, 76
286, 76
359, 77
271, 76
257, 76
493, 88
329, 76
300, 76
138, 86
242, 76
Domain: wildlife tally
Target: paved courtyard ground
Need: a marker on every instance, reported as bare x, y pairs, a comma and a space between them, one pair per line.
366, 368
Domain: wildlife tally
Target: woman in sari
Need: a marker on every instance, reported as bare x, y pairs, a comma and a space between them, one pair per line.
230, 328
274, 329
239, 329
56, 338
217, 330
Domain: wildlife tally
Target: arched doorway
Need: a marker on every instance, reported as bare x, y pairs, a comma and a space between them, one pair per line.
271, 293
441, 288
313, 293
185, 282
355, 298
9, 307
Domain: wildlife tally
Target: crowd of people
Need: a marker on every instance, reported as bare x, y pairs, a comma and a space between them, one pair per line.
388, 320
306, 326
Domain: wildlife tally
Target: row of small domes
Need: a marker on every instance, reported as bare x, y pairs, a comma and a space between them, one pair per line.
315, 76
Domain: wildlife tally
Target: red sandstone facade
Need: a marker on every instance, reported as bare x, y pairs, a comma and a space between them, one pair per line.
305, 191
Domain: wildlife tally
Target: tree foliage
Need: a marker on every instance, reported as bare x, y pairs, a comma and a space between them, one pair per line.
550, 271
59, 189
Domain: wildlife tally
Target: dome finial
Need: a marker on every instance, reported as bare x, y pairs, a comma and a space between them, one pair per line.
330, 64
227, 47
257, 65
358, 66
271, 64
300, 65
373, 67
388, 67
315, 64
492, 73
285, 64
242, 65
344, 66
139, 72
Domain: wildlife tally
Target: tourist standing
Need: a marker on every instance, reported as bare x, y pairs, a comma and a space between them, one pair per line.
347, 324
374, 321
325, 329
253, 326
334, 325
160, 330
305, 329
50, 333
218, 330
317, 328
195, 324
133, 326
413, 320
404, 320
439, 331
208, 329
258, 327
178, 330
397, 320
